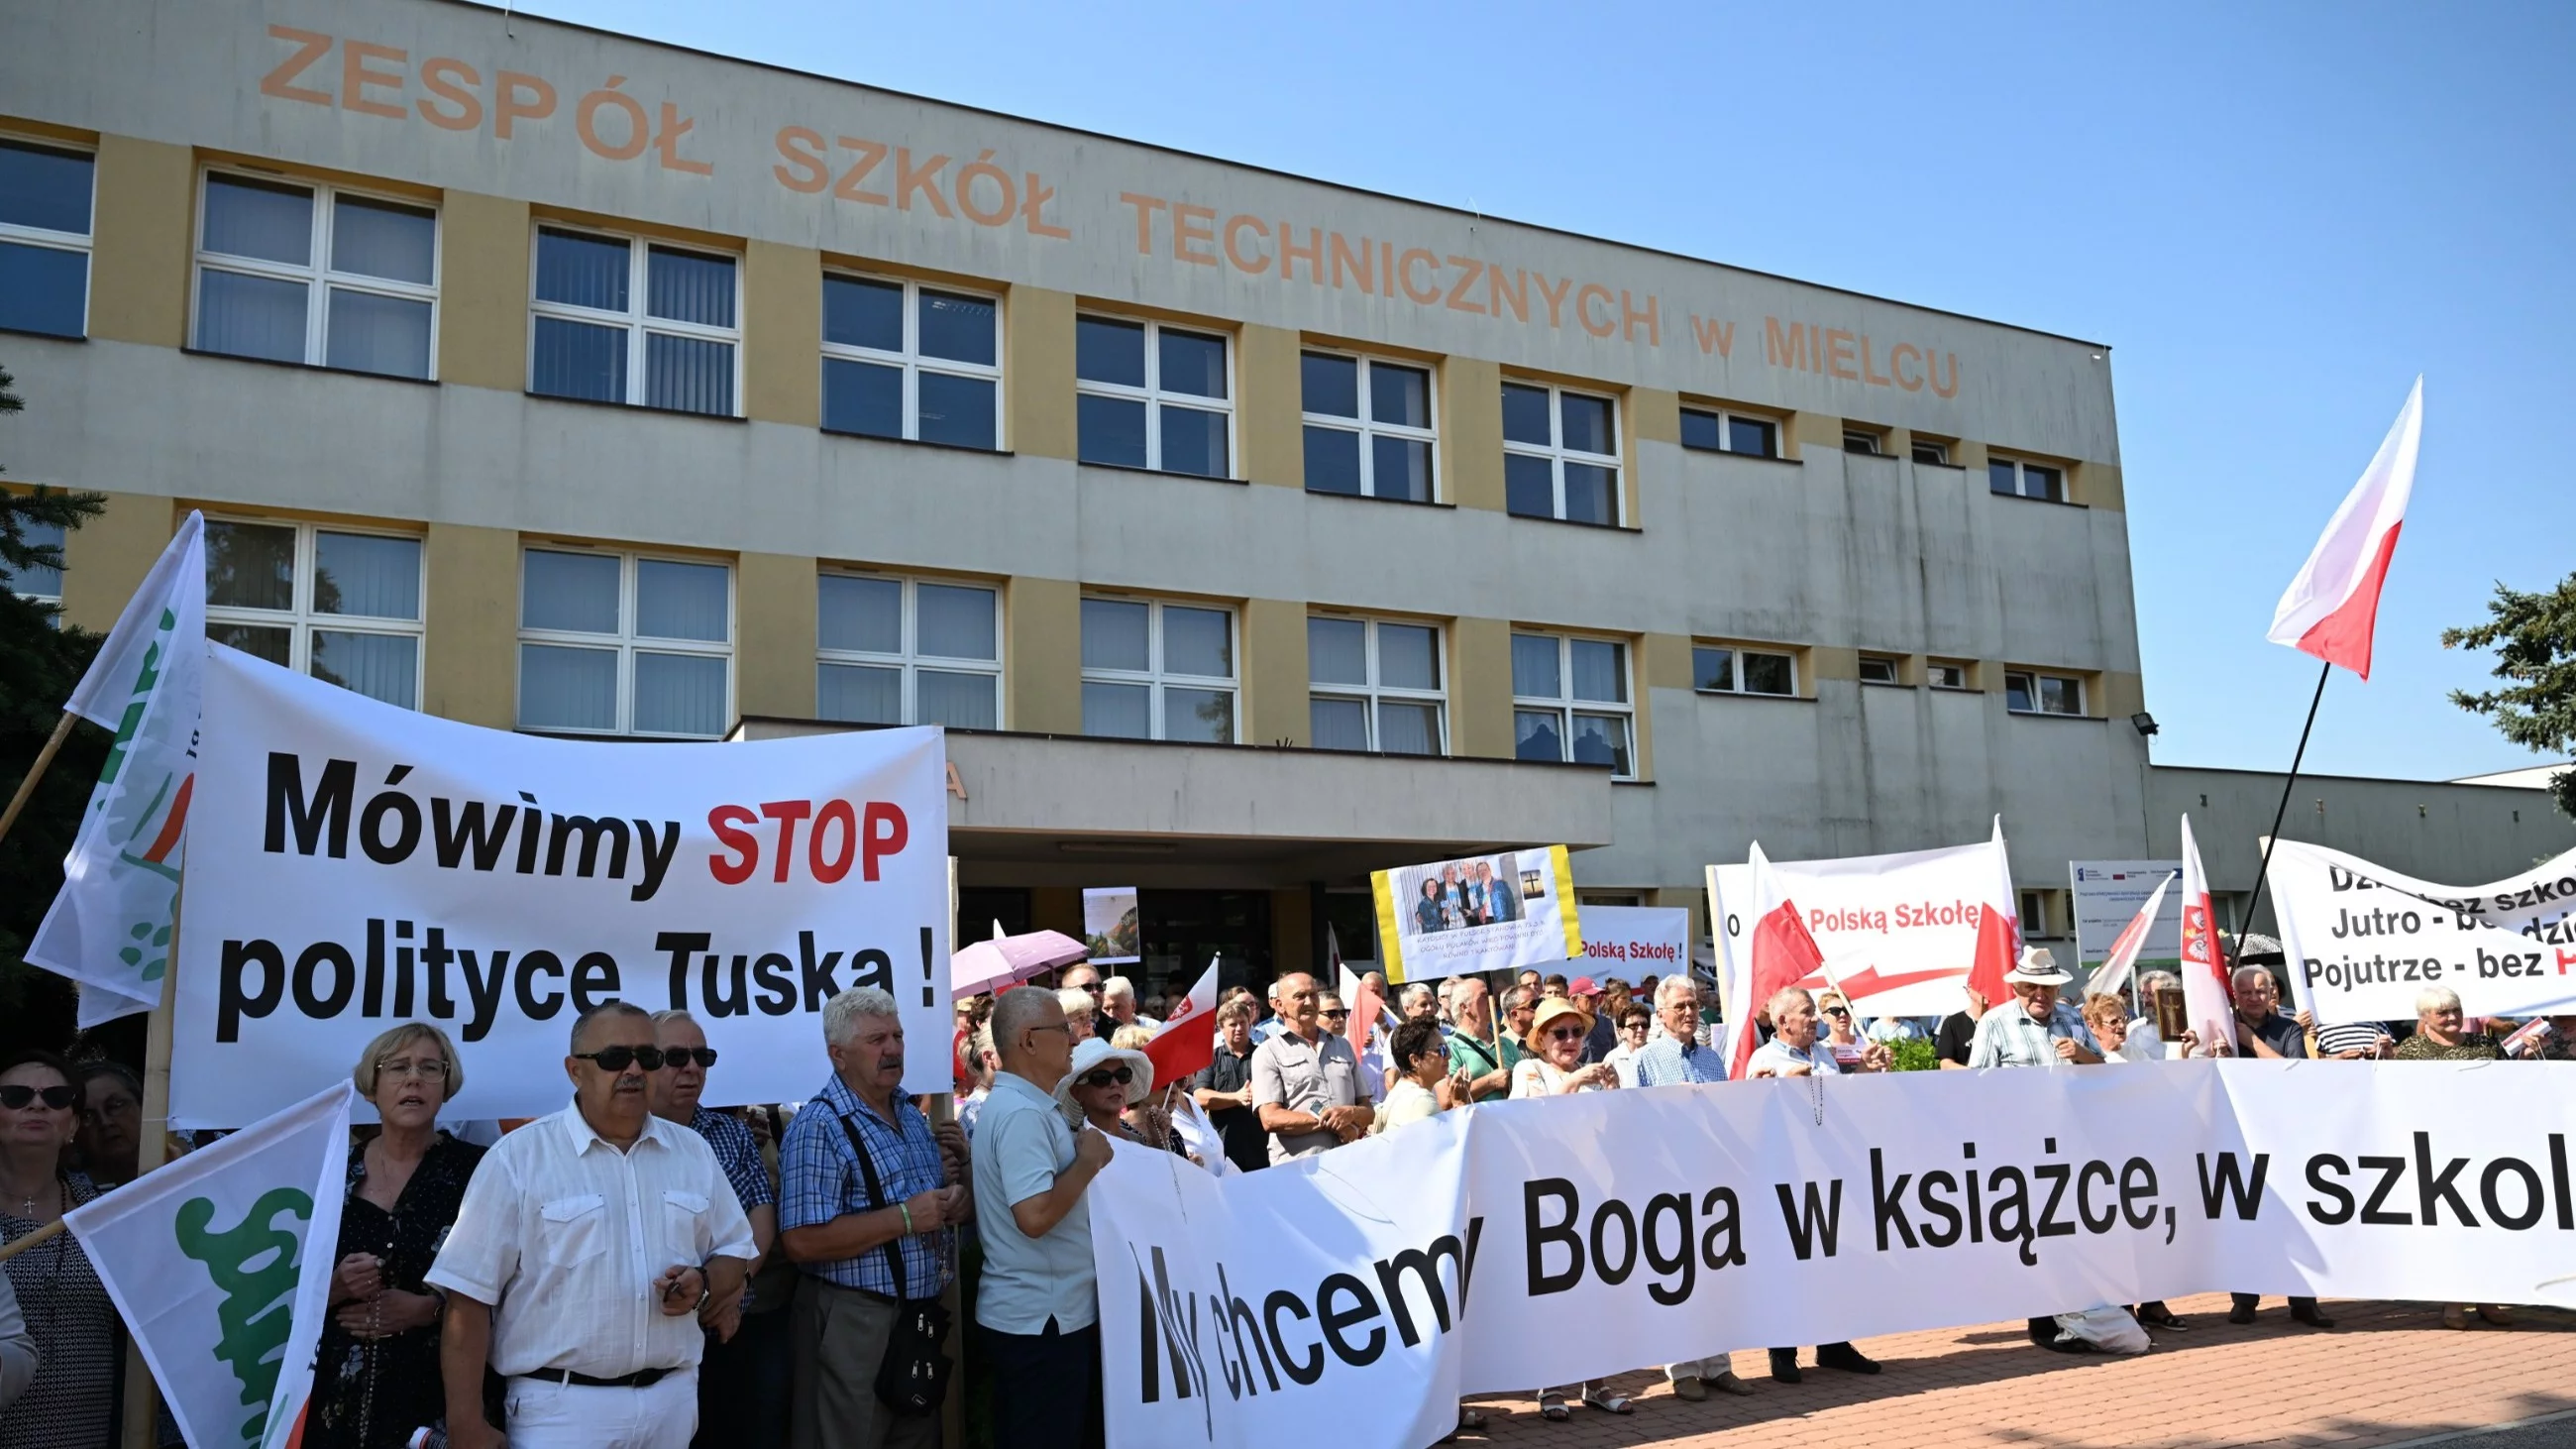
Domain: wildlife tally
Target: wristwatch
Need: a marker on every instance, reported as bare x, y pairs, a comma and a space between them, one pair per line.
705, 1290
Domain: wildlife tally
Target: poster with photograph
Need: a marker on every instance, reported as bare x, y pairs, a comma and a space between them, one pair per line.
1109, 925
1495, 912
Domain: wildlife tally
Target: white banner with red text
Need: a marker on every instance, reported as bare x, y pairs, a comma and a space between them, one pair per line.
2364, 941
353, 866
1899, 932
1520, 1244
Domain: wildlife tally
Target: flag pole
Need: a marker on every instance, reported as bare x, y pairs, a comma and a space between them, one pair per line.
142, 1395
2263, 871
36, 772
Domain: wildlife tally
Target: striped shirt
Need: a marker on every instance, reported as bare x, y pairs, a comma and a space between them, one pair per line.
2360, 1036
819, 1180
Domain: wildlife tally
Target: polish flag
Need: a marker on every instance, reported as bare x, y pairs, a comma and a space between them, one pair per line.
1187, 1042
2113, 973
2207, 999
2332, 605
1780, 952
1998, 931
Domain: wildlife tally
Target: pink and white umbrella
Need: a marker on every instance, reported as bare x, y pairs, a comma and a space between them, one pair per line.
1009, 960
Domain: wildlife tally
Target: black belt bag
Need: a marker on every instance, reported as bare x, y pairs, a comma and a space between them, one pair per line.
913, 1379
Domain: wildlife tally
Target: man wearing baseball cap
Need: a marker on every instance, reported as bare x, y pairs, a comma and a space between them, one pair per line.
1605, 1032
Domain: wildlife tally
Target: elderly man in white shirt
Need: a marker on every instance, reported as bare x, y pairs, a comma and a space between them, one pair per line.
1794, 1050
2036, 1029
585, 1247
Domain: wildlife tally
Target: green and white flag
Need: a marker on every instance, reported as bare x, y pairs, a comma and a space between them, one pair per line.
110, 928
221, 1263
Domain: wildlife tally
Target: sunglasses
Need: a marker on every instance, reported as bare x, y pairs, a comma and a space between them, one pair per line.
19, 1094
1333, 1015
1837, 1011
1568, 1033
678, 1057
1108, 1077
618, 1058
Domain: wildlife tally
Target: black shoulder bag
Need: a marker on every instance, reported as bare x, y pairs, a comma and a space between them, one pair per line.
913, 1379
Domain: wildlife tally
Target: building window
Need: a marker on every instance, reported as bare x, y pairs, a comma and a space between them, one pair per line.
621, 320
1862, 440
1725, 669
1946, 674
1880, 669
342, 606
2032, 693
2034, 913
1560, 454
316, 275
1377, 686
1151, 396
1570, 701
1368, 427
1931, 451
2026, 480
44, 239
1716, 432
901, 360
621, 644
38, 583
1156, 671
908, 652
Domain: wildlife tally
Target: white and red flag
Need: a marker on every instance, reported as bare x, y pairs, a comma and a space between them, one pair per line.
2206, 997
2114, 971
1998, 931
1187, 1042
1779, 952
2331, 606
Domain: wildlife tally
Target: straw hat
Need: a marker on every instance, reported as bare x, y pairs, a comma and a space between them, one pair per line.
1092, 1054
2038, 968
1552, 1009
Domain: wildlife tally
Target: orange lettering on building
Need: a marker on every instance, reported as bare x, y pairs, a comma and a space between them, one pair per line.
872, 154
310, 47
1953, 389
507, 107
1555, 299
1184, 233
1868, 373
1629, 317
1784, 346
1404, 274
1145, 206
355, 78
1234, 227
1583, 309
1313, 252
1469, 269
1714, 336
1896, 366
1838, 353
1362, 266
1517, 294
434, 74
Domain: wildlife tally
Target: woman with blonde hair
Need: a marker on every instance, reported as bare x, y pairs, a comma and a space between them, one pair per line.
376, 1379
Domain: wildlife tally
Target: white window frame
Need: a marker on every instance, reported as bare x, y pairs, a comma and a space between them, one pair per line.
61, 545
2034, 682
1153, 397
2022, 478
317, 277
1558, 455
1727, 418
1566, 706
915, 362
1368, 695
1932, 674
1895, 668
1735, 669
911, 660
1368, 429
1873, 443
1939, 449
299, 618
636, 321
65, 241
1156, 678
2032, 922
626, 642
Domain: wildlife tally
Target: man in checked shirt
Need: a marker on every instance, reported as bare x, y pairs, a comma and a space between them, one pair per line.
868, 1233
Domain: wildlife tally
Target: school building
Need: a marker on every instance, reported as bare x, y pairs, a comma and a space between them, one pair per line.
1249, 532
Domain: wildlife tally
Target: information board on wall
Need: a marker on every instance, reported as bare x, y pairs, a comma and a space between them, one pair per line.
2107, 896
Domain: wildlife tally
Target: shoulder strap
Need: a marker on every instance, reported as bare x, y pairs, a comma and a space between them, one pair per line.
876, 1199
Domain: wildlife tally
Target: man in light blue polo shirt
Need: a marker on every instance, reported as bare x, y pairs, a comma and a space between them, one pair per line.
1038, 1304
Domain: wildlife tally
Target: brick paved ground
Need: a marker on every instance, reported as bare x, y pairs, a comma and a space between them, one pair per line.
2387, 1374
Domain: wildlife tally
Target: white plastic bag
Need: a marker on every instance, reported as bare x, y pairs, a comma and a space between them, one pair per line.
2108, 1330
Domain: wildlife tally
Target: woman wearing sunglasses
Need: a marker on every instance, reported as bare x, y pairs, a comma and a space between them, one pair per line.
67, 1311
377, 1377
1100, 1084
1553, 1068
1842, 1038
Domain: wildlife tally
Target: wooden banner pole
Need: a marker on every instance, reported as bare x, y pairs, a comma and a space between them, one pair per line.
36, 772
142, 1396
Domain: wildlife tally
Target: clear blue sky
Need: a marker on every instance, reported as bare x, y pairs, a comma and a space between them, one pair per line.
2277, 215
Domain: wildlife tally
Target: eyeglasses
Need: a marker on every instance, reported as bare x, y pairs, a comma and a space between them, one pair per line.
1333, 1015
618, 1058
1117, 1076
1632, 1026
1567, 1033
1095, 988
430, 1069
1064, 1027
18, 1095
1837, 1011
678, 1057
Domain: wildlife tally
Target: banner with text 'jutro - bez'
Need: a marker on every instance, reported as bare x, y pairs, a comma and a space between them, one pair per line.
353, 865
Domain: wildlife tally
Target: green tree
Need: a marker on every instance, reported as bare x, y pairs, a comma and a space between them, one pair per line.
40, 660
2534, 637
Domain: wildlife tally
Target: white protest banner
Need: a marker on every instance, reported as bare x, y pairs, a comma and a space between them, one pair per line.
1109, 928
206, 1260
1628, 942
2107, 894
1604, 1232
110, 927
1899, 932
2363, 940
360, 865
1499, 912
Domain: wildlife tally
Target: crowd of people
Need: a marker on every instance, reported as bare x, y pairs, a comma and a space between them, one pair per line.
639, 1269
